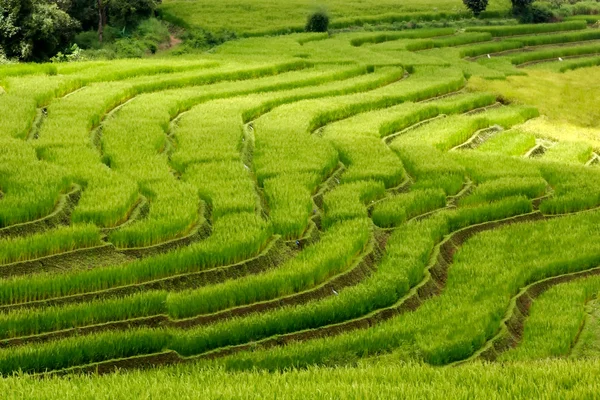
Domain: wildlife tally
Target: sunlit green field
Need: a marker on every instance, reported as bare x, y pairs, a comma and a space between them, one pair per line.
261, 15
407, 213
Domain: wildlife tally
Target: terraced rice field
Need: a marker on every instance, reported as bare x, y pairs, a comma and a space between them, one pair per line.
296, 201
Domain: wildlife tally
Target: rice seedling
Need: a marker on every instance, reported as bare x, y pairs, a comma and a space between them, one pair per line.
511, 143
569, 152
513, 30
397, 209
446, 133
235, 237
442, 339
457, 40
546, 54
494, 190
348, 201
555, 320
388, 36
56, 241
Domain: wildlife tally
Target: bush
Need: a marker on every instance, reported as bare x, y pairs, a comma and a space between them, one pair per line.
87, 40
477, 6
317, 22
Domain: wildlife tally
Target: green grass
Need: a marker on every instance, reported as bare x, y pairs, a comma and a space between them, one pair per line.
236, 16
46, 244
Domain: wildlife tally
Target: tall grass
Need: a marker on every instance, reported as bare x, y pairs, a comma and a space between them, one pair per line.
547, 54
55, 241
397, 209
235, 237
513, 30
468, 312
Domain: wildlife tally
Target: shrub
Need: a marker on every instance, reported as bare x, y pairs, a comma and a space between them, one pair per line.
536, 14
519, 6
88, 40
477, 6
318, 21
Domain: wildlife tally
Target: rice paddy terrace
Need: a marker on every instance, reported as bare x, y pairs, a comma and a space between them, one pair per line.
298, 200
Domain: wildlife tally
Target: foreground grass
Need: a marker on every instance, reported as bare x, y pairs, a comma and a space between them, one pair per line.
379, 379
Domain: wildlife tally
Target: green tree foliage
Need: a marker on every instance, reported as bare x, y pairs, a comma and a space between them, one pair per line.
126, 13
317, 21
520, 6
477, 6
34, 29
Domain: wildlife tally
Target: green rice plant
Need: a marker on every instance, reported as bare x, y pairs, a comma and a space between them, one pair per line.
389, 36
234, 238
555, 321
174, 211
430, 167
489, 48
457, 40
571, 65
28, 322
519, 380
28, 93
225, 186
579, 36
27, 69
569, 152
226, 115
398, 209
348, 201
368, 159
455, 130
408, 253
290, 202
495, 190
575, 188
334, 253
502, 65
82, 350
419, 86
546, 54
384, 122
513, 30
511, 143
482, 167
55, 241
31, 188
472, 215
469, 310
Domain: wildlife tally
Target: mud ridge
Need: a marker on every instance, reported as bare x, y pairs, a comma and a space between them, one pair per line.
139, 211
478, 138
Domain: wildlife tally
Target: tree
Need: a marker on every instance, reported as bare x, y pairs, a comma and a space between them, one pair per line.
318, 21
123, 13
520, 6
476, 6
34, 29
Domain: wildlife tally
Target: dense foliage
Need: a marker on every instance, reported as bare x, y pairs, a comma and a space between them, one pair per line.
318, 21
38, 29
477, 6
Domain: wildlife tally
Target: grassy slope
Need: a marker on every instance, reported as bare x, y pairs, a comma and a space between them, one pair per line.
568, 100
253, 15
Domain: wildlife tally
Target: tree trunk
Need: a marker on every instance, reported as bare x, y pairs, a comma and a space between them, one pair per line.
100, 21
